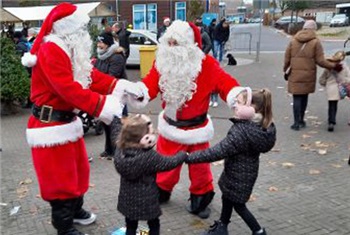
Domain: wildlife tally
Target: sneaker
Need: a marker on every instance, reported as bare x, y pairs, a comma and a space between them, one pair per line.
204, 214
261, 232
90, 159
215, 104
105, 155
218, 228
84, 217
211, 104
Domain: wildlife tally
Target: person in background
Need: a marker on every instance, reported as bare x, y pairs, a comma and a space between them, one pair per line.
252, 125
330, 80
211, 32
137, 163
199, 22
21, 43
221, 36
161, 30
302, 54
206, 42
32, 33
111, 61
123, 38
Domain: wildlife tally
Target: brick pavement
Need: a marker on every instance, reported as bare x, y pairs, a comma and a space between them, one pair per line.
307, 196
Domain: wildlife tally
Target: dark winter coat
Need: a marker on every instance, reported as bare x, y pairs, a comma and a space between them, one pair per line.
302, 79
221, 34
241, 149
161, 31
206, 42
138, 192
124, 41
211, 30
113, 65
21, 46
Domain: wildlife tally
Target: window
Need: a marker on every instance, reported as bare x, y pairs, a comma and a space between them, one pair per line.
145, 16
180, 11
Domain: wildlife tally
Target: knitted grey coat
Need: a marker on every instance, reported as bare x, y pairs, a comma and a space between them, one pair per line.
138, 193
240, 149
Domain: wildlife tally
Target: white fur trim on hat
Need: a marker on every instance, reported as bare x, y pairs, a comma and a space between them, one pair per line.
191, 136
112, 107
310, 24
29, 60
55, 135
179, 30
71, 23
232, 95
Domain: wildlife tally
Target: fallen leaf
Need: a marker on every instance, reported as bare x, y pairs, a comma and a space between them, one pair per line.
91, 185
275, 150
273, 189
312, 117
26, 181
336, 165
22, 191
14, 210
252, 198
314, 172
322, 151
33, 210
313, 132
306, 136
38, 196
3, 204
288, 164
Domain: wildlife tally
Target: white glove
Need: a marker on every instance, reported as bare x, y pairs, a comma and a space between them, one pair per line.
125, 88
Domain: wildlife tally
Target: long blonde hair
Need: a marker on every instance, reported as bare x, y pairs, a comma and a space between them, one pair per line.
262, 101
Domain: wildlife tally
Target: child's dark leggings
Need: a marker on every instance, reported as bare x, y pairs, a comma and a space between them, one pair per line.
131, 226
242, 211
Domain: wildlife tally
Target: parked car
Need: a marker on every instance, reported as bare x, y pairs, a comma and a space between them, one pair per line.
137, 39
339, 20
285, 20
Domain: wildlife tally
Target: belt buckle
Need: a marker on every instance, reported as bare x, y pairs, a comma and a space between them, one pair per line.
46, 118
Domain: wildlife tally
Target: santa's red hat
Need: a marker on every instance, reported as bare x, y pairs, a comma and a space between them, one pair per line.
183, 32
63, 19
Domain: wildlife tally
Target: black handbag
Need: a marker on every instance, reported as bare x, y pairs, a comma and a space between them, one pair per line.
287, 73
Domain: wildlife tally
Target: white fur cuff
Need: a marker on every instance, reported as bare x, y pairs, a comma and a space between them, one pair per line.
192, 136
55, 135
113, 107
232, 95
28, 59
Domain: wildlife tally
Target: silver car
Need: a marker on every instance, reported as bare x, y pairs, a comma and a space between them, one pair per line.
137, 39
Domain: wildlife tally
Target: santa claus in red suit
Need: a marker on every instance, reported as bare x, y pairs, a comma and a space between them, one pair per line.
185, 77
63, 80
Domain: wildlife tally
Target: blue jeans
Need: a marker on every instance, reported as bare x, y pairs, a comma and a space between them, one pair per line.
214, 97
218, 49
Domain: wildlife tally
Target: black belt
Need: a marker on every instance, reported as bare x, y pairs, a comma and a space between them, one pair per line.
187, 123
47, 114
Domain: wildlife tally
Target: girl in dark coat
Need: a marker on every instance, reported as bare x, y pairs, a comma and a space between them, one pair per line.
252, 133
137, 163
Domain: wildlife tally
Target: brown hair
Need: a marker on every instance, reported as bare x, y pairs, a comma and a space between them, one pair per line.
262, 101
133, 129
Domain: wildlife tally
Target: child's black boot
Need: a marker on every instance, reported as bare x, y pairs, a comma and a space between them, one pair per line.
260, 232
218, 228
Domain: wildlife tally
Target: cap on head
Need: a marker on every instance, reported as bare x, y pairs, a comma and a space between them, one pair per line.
166, 19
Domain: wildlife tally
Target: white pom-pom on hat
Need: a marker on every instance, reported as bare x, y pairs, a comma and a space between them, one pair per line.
29, 60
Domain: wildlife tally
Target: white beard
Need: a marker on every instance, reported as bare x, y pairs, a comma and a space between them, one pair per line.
178, 67
79, 45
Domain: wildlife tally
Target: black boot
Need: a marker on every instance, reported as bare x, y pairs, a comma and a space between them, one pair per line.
199, 204
262, 232
218, 228
82, 216
164, 196
62, 216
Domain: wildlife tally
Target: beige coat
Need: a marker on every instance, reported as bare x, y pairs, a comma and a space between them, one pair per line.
302, 79
329, 79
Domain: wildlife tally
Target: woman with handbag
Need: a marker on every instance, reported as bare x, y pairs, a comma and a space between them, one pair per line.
302, 55
333, 82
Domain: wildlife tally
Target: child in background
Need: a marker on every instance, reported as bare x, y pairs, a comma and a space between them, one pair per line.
251, 134
330, 80
137, 163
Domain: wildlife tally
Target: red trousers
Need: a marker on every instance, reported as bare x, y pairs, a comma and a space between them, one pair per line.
63, 170
200, 174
